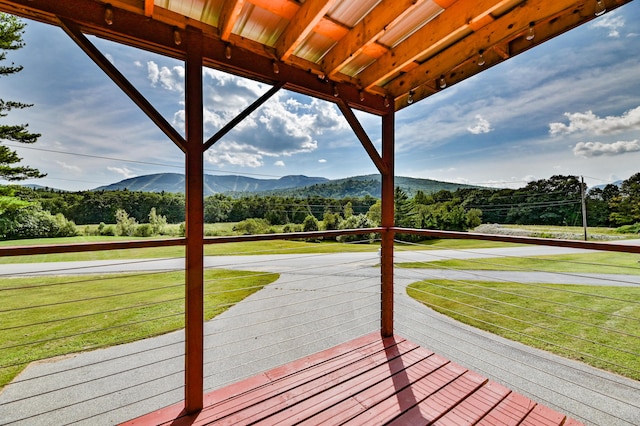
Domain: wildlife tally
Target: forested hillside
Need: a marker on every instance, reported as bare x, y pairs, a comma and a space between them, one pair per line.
555, 201
213, 184
286, 186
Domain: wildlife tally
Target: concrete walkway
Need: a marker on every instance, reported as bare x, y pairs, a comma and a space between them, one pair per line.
318, 302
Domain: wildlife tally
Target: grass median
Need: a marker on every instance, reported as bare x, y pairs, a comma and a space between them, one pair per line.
44, 317
602, 263
593, 324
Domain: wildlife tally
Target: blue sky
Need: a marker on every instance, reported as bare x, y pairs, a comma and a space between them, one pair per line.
568, 106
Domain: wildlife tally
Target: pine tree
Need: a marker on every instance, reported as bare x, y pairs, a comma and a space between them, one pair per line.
11, 30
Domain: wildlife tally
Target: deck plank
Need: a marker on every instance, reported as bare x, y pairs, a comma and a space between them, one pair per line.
543, 416
510, 411
368, 381
433, 406
476, 406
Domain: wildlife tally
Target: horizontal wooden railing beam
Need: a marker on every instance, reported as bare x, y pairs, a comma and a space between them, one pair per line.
588, 245
119, 245
80, 247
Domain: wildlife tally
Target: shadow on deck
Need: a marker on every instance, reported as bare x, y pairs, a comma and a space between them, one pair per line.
369, 380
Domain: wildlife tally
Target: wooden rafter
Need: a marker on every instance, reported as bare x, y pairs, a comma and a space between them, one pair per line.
362, 136
446, 29
228, 17
465, 52
380, 20
240, 117
149, 6
445, 45
309, 14
109, 69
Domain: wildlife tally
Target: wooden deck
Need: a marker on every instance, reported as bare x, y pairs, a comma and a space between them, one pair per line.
367, 381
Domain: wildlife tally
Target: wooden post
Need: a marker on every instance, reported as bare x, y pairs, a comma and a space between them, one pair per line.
388, 213
584, 208
194, 316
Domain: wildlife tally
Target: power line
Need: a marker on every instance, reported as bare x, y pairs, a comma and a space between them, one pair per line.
147, 163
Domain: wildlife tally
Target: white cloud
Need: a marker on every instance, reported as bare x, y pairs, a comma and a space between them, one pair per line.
122, 171
482, 126
170, 78
285, 125
69, 167
322, 160
612, 23
279, 163
596, 149
589, 122
234, 154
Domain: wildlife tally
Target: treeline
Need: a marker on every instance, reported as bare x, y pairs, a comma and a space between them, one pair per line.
557, 201
25, 212
93, 207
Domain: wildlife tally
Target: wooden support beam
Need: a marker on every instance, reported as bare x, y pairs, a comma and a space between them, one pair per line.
244, 114
149, 5
309, 14
362, 136
388, 214
228, 17
446, 29
121, 81
380, 20
194, 172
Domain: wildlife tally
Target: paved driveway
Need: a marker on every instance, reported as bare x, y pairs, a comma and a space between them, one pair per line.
319, 301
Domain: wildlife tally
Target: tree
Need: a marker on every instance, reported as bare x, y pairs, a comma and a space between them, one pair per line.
125, 225
157, 222
11, 30
626, 206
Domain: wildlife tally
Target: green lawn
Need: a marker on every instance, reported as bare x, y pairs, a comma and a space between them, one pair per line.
604, 263
549, 317
50, 316
248, 248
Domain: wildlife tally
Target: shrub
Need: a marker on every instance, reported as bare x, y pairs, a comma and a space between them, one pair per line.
109, 231
125, 225
31, 221
252, 226
629, 229
157, 222
143, 230
292, 227
355, 222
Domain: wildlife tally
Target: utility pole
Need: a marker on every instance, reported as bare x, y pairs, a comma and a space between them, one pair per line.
584, 207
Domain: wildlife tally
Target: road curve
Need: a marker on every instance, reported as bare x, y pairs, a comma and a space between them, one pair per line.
318, 301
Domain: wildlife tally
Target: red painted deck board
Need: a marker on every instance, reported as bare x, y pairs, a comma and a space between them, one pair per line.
368, 381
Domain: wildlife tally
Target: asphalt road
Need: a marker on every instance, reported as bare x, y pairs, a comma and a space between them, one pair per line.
319, 301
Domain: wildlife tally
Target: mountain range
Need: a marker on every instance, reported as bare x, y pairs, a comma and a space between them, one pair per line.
294, 185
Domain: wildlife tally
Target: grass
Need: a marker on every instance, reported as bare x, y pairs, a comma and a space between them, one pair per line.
46, 317
593, 233
549, 317
226, 249
604, 263
248, 248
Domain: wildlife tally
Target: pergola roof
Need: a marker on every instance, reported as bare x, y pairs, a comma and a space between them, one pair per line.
375, 55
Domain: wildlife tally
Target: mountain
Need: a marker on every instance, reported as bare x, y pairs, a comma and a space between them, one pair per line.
213, 184
293, 186
368, 185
